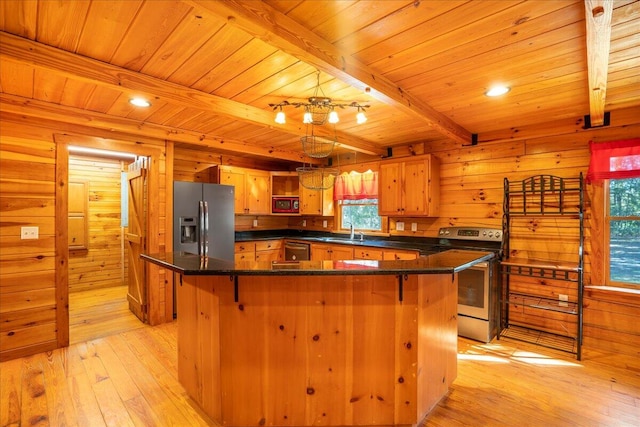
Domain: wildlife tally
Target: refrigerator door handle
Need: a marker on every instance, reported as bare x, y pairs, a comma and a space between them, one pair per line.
201, 228
206, 228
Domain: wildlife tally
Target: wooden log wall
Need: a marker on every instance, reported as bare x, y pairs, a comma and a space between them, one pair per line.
103, 263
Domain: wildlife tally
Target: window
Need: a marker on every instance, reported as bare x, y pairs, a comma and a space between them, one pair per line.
363, 214
357, 197
623, 231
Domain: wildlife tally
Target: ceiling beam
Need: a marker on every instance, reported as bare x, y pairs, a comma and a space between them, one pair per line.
60, 113
264, 22
598, 19
20, 50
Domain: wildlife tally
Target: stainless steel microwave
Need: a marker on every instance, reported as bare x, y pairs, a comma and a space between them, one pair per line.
282, 204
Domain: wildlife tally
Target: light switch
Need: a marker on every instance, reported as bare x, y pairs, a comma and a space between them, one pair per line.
304, 222
400, 226
28, 233
414, 226
255, 222
324, 223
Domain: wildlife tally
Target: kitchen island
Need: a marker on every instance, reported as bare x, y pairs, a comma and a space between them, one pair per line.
317, 342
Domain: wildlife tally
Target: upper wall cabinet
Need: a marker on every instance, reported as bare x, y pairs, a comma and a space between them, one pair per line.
316, 202
252, 188
410, 188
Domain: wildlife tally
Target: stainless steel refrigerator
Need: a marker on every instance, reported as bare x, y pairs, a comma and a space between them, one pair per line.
204, 219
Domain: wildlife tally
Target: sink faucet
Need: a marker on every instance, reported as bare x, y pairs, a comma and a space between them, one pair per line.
351, 231
361, 236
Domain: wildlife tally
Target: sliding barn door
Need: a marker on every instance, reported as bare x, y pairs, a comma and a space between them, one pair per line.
136, 238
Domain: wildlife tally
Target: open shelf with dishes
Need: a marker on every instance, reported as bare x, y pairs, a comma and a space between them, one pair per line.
542, 268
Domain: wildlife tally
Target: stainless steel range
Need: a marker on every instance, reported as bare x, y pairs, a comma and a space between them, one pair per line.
478, 299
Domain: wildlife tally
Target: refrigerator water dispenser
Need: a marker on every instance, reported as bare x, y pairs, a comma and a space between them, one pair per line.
188, 229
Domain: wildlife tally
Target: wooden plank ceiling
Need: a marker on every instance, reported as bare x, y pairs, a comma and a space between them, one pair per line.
211, 68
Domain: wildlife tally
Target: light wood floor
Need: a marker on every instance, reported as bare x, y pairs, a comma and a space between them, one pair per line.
130, 378
99, 313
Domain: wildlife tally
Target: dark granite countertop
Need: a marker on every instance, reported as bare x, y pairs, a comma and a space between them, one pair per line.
424, 245
447, 262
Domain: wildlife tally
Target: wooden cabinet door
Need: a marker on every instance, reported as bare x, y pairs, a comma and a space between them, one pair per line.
410, 188
390, 189
341, 252
237, 178
258, 197
310, 201
414, 186
269, 255
320, 252
78, 207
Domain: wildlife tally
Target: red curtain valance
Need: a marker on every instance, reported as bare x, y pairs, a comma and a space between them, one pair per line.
614, 160
356, 186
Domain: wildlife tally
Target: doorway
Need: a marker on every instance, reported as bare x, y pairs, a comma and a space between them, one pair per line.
98, 252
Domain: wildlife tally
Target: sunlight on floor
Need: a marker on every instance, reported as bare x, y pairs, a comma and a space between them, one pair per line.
507, 355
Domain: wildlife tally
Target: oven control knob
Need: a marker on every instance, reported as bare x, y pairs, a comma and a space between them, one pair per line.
497, 234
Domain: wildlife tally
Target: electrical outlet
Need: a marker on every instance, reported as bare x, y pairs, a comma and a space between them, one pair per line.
255, 222
414, 226
563, 300
304, 222
399, 226
28, 233
324, 223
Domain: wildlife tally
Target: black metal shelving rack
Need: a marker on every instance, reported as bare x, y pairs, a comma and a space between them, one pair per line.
536, 197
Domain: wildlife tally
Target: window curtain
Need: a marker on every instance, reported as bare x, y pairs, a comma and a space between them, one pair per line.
356, 186
614, 160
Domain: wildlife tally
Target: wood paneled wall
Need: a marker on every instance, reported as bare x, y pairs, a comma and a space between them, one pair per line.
32, 286
34, 280
103, 263
27, 267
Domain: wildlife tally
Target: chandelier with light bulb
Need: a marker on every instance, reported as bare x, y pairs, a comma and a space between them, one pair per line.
319, 109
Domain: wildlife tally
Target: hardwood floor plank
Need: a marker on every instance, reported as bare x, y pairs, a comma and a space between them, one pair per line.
85, 401
34, 400
59, 400
10, 392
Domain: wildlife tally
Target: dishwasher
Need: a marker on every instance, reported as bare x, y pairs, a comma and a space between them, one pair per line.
297, 251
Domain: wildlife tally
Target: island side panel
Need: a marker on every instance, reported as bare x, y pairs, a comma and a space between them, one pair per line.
438, 338
198, 340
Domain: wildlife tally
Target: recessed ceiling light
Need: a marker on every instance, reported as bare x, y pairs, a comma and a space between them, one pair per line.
497, 91
139, 102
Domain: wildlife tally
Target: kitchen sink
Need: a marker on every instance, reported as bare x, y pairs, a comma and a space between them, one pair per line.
342, 240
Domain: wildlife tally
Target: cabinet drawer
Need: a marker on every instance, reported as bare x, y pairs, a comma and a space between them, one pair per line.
245, 256
241, 247
397, 255
368, 253
267, 245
